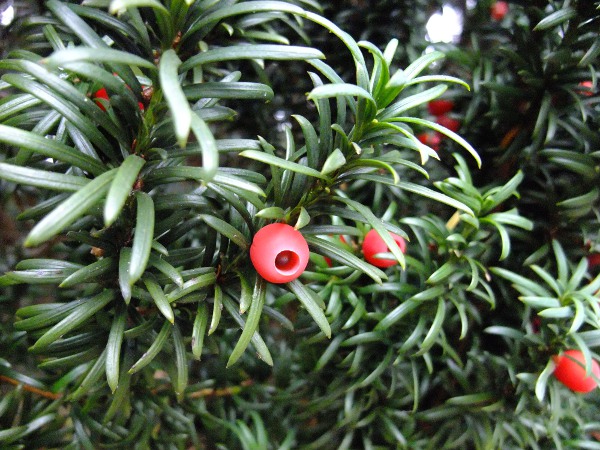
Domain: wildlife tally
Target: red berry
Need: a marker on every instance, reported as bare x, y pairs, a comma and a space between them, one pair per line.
101, 93
536, 324
448, 122
432, 140
373, 244
570, 371
498, 10
279, 253
439, 107
328, 260
593, 260
586, 88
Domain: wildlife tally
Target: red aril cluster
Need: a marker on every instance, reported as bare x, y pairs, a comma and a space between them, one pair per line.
439, 108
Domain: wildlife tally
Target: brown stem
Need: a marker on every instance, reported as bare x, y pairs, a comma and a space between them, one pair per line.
29, 388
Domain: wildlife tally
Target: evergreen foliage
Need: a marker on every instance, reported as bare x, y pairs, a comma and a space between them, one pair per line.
143, 143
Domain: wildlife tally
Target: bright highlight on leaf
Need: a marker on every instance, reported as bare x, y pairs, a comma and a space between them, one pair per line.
178, 105
86, 54
70, 210
256, 306
120, 188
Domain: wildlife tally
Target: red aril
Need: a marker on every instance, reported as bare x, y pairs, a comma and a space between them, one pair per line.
439, 107
430, 139
448, 122
279, 253
373, 244
498, 10
570, 371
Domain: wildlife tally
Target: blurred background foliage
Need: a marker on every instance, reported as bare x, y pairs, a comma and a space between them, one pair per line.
453, 351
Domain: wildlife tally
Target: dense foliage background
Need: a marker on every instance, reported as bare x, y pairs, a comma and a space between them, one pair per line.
130, 313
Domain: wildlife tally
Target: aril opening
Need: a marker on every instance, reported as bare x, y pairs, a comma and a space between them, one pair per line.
287, 262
